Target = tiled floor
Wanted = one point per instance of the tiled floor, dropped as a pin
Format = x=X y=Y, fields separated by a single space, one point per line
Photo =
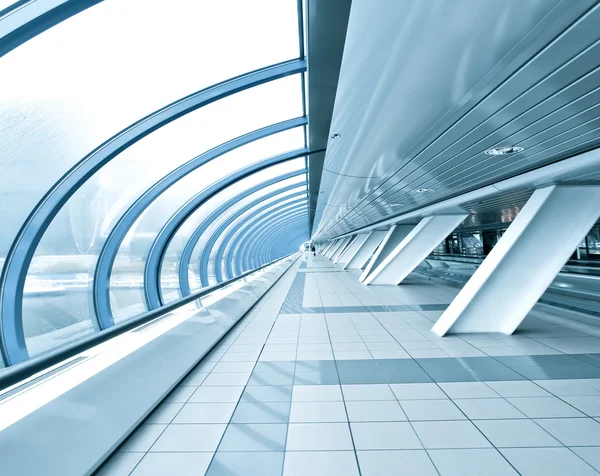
x=328 y=377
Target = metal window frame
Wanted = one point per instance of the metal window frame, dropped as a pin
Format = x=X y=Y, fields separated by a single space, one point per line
x=224 y=252
x=25 y=19
x=240 y=245
x=110 y=249
x=204 y=258
x=195 y=237
x=272 y=244
x=252 y=249
x=155 y=259
x=12 y=280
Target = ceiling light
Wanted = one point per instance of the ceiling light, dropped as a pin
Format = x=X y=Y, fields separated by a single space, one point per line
x=396 y=204
x=424 y=190
x=336 y=135
x=504 y=151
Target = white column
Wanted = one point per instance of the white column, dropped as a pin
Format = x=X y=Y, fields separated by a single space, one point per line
x=341 y=248
x=413 y=249
x=524 y=262
x=393 y=237
x=334 y=248
x=365 y=249
x=342 y=257
x=325 y=247
x=332 y=245
x=352 y=248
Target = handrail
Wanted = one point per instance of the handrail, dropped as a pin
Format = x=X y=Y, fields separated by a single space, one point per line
x=14 y=374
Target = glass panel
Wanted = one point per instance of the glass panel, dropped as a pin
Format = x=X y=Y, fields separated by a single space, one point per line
x=248 y=248
x=5 y=4
x=76 y=85
x=280 y=198
x=241 y=226
x=593 y=243
x=60 y=98
x=170 y=270
x=126 y=280
x=65 y=260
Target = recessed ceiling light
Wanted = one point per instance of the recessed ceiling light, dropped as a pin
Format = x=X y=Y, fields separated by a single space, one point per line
x=396 y=204
x=424 y=190
x=336 y=135
x=504 y=151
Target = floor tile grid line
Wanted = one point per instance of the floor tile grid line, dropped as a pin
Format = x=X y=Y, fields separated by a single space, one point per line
x=532 y=338
x=287 y=430
x=468 y=419
x=385 y=290
x=293 y=270
x=461 y=411
x=482 y=350
x=407 y=419
x=416 y=329
x=166 y=398
x=343 y=398
x=260 y=305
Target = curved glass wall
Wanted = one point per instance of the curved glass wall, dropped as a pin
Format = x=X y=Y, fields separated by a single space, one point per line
x=282 y=188
x=127 y=293
x=216 y=256
x=70 y=90
x=74 y=86
x=248 y=223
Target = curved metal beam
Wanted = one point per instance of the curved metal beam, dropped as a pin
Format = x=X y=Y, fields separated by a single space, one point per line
x=205 y=255
x=25 y=19
x=18 y=259
x=250 y=251
x=272 y=244
x=269 y=242
x=110 y=250
x=186 y=256
x=276 y=245
x=237 y=232
x=250 y=224
x=152 y=288
x=232 y=238
x=269 y=208
x=261 y=225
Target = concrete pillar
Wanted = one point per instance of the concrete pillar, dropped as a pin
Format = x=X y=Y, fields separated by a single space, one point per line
x=341 y=248
x=524 y=262
x=332 y=249
x=401 y=260
x=394 y=236
x=365 y=249
x=335 y=249
x=351 y=249
x=341 y=259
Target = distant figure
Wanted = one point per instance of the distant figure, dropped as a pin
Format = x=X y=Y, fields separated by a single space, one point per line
x=313 y=249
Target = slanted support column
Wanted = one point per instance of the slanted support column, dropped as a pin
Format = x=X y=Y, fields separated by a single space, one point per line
x=335 y=249
x=350 y=249
x=324 y=247
x=332 y=248
x=410 y=251
x=524 y=262
x=368 y=244
x=342 y=250
x=394 y=236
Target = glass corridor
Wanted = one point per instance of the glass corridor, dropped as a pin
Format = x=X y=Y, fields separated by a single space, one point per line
x=142 y=162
